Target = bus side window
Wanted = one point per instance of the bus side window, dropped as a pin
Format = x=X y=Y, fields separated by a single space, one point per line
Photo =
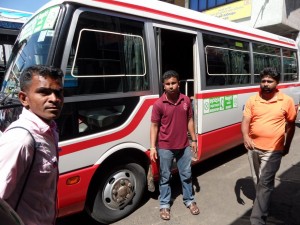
x=108 y=55
x=89 y=117
x=67 y=122
x=216 y=67
x=87 y=65
x=227 y=61
x=100 y=117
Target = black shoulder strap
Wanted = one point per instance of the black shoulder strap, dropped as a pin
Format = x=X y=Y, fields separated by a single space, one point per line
x=30 y=168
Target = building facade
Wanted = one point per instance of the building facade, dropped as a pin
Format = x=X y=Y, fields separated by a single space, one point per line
x=276 y=16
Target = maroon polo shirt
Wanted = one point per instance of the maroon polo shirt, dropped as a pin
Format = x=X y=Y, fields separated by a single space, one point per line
x=173 y=121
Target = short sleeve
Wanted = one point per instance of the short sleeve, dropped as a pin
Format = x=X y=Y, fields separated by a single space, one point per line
x=190 y=110
x=291 y=113
x=156 y=115
x=247 y=109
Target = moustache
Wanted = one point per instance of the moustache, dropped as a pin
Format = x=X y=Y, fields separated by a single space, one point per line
x=267 y=89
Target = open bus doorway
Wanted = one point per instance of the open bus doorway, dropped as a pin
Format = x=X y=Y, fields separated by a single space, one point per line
x=175 y=52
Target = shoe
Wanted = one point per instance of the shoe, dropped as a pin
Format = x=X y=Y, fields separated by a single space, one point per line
x=164 y=213
x=194 y=208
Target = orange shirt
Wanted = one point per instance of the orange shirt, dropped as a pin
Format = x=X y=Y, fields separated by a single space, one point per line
x=268 y=120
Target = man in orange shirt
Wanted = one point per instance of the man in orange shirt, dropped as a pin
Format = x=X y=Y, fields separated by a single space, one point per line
x=268 y=128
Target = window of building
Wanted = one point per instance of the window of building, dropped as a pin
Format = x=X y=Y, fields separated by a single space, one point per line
x=202 y=5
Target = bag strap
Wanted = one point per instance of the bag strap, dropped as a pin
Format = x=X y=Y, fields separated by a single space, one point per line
x=31 y=165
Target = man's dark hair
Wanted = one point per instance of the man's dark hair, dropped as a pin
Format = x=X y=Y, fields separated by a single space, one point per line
x=168 y=74
x=270 y=71
x=41 y=70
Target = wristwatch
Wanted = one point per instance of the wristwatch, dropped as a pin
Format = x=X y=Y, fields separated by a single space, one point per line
x=194 y=140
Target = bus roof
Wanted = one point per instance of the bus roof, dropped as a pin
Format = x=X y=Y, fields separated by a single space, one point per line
x=167 y=12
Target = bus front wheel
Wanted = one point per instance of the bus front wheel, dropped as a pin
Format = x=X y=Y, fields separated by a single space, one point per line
x=119 y=192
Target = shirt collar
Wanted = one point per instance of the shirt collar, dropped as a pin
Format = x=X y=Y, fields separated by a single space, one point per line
x=43 y=127
x=164 y=98
x=279 y=96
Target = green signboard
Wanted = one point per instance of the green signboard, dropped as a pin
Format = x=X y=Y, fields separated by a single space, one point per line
x=217 y=104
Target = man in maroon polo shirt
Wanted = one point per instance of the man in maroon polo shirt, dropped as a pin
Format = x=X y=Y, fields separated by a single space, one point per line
x=171 y=120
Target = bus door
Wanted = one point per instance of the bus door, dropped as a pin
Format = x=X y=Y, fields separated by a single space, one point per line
x=177 y=50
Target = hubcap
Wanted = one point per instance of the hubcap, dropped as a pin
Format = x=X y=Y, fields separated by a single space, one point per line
x=119 y=189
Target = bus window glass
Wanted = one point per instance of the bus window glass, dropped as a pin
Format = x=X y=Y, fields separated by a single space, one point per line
x=227 y=61
x=115 y=55
x=32 y=48
x=289 y=65
x=265 y=56
x=107 y=55
x=89 y=117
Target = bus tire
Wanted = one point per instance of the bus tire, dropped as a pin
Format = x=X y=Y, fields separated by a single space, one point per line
x=119 y=193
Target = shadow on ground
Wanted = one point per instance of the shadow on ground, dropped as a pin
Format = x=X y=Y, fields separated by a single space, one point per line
x=285 y=204
x=200 y=169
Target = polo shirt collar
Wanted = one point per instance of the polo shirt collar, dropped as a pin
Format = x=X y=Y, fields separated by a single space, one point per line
x=279 y=97
x=164 y=98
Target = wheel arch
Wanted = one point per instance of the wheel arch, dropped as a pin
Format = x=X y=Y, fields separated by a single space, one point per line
x=123 y=153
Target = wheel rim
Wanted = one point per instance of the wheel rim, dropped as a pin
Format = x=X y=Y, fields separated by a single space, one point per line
x=119 y=189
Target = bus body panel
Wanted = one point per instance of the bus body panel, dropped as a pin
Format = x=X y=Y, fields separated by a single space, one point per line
x=219 y=140
x=71 y=198
x=89 y=149
x=213 y=120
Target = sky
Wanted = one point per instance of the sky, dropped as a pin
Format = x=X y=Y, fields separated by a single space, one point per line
x=23 y=5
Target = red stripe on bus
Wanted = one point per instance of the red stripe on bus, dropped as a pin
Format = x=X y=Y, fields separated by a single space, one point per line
x=110 y=137
x=239 y=91
x=174 y=16
x=220 y=140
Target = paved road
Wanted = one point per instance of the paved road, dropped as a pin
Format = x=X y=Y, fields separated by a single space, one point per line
x=224 y=193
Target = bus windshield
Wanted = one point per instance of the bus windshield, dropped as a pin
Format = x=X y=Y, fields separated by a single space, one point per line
x=31 y=48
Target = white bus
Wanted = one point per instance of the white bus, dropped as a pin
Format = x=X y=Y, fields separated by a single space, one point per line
x=113 y=54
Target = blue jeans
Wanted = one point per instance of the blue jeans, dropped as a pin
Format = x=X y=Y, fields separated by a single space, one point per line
x=264 y=165
x=183 y=159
